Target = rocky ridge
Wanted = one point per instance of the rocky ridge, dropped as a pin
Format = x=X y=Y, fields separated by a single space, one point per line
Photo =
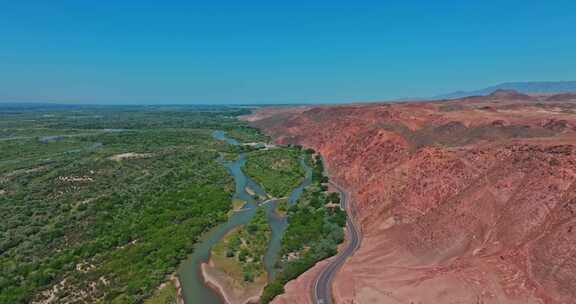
x=461 y=201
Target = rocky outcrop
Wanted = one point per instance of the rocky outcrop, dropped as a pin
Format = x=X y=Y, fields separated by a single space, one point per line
x=467 y=201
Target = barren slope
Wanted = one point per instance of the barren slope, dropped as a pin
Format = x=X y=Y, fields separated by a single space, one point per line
x=461 y=201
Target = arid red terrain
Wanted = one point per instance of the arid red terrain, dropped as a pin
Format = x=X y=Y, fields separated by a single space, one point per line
x=461 y=201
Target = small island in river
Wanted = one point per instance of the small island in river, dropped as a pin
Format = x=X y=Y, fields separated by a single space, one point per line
x=236 y=268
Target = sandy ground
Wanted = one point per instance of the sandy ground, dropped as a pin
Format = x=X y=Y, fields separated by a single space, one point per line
x=123 y=156
x=227 y=288
x=383 y=273
x=178 y=285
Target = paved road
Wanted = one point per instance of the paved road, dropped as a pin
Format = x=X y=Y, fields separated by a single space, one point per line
x=322 y=293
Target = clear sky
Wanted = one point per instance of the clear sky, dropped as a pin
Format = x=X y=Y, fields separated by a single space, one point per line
x=213 y=52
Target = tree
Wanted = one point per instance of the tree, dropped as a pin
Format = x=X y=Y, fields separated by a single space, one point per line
x=334 y=197
x=243 y=254
x=271 y=291
x=230 y=253
x=248 y=276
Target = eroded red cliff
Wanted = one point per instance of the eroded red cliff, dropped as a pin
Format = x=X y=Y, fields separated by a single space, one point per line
x=465 y=201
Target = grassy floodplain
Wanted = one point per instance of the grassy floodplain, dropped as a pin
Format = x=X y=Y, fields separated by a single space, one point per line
x=239 y=253
x=102 y=203
x=278 y=169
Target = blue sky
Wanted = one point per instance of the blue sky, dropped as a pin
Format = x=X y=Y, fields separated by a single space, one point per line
x=215 y=52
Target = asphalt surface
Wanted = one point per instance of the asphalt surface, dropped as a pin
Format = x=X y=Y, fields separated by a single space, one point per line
x=322 y=293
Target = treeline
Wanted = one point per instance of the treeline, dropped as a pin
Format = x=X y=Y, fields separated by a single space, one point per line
x=148 y=118
x=315 y=228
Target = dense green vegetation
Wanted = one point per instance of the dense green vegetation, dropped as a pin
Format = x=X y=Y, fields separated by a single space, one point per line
x=278 y=170
x=247 y=134
x=282 y=207
x=165 y=295
x=244 y=248
x=103 y=203
x=315 y=228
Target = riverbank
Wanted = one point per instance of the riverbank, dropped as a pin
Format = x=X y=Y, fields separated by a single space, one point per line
x=178 y=285
x=194 y=288
x=235 y=267
x=227 y=288
x=168 y=292
x=179 y=296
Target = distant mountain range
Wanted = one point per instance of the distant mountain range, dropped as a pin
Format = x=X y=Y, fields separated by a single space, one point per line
x=19 y=106
x=522 y=87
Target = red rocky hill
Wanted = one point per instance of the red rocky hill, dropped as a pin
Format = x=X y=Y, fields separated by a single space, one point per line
x=460 y=201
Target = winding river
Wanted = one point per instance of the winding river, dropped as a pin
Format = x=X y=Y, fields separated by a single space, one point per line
x=279 y=223
x=193 y=288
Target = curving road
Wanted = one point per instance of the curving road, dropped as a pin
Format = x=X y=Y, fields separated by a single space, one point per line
x=322 y=293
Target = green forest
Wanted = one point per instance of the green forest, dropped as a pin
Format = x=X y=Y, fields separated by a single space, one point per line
x=100 y=204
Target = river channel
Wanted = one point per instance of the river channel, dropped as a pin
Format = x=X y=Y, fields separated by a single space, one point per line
x=194 y=290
